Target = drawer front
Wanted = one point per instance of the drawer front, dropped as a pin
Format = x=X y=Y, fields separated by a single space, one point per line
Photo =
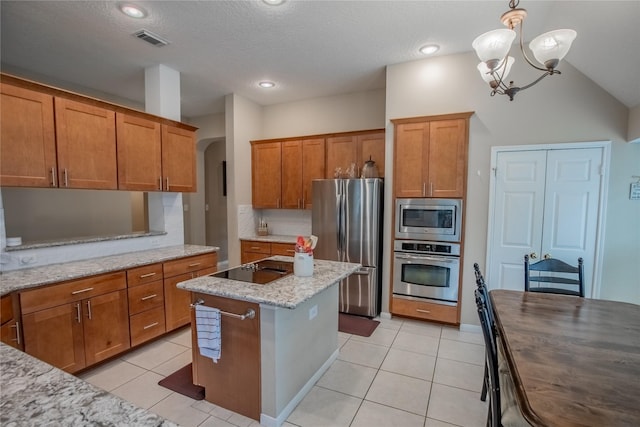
x=425 y=310
x=147 y=325
x=145 y=297
x=255 y=247
x=286 y=249
x=189 y=264
x=51 y=296
x=145 y=274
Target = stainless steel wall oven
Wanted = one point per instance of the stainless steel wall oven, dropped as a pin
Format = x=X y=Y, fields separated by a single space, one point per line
x=426 y=269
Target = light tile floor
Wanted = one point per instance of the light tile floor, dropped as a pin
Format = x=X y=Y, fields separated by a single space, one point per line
x=408 y=373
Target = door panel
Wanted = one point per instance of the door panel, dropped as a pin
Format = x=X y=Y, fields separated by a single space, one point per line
x=545 y=202
x=571 y=212
x=325 y=219
x=362 y=221
x=358 y=293
x=519 y=206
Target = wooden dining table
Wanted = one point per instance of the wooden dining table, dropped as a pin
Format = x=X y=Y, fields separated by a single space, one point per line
x=574 y=361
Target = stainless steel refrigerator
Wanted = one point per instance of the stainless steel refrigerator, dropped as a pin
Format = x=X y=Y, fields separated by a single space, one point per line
x=347 y=218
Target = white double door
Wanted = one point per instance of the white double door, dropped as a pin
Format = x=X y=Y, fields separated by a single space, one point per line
x=546 y=203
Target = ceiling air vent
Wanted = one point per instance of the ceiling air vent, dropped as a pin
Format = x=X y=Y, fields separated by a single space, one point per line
x=149 y=37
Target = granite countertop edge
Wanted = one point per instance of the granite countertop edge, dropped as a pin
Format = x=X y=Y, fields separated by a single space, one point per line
x=36 y=393
x=288 y=292
x=17 y=280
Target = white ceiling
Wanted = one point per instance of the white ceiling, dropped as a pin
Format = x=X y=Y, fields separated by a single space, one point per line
x=309 y=48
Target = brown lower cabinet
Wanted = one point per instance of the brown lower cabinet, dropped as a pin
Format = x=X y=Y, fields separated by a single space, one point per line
x=177 y=301
x=75 y=324
x=80 y=332
x=424 y=310
x=254 y=250
x=10 y=333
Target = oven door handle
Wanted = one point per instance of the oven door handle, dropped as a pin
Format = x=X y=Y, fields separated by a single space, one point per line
x=427 y=258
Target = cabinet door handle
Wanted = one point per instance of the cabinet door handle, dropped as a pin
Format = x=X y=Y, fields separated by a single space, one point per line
x=431 y=188
x=78 y=313
x=420 y=310
x=278 y=202
x=89 y=309
x=54 y=180
x=160 y=183
x=144 y=276
x=150 y=326
x=66 y=177
x=81 y=291
x=148 y=297
x=424 y=189
x=167 y=183
x=17 y=327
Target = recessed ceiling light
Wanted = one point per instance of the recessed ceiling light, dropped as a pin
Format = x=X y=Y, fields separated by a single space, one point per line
x=273 y=2
x=133 y=11
x=429 y=49
x=266 y=84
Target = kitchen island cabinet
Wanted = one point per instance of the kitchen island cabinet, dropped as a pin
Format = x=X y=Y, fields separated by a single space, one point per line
x=281 y=352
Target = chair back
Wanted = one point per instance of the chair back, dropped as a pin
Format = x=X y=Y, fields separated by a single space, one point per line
x=482 y=287
x=490 y=343
x=548 y=279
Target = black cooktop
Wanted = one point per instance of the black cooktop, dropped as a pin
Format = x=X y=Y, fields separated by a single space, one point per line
x=260 y=272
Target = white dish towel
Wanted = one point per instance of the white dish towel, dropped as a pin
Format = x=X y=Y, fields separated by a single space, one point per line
x=208 y=332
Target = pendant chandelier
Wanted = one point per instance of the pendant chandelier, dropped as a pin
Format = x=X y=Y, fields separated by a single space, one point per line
x=493 y=50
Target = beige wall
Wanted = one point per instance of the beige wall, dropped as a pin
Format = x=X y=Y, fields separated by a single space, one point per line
x=244 y=120
x=566 y=108
x=341 y=113
x=634 y=125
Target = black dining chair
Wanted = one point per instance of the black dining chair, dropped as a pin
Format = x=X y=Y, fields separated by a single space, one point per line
x=492 y=381
x=482 y=287
x=547 y=278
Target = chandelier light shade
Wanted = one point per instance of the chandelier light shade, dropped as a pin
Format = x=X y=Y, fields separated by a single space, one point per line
x=493 y=49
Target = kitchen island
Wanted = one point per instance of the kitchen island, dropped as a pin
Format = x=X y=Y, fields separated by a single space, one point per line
x=269 y=362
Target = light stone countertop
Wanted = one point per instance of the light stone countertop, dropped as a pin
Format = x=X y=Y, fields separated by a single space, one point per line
x=16 y=280
x=288 y=292
x=35 y=393
x=273 y=238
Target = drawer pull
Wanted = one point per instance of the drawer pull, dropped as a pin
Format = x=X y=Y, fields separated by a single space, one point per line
x=291 y=250
x=148 y=297
x=195 y=264
x=17 y=338
x=256 y=248
x=144 y=276
x=81 y=291
x=419 y=310
x=151 y=325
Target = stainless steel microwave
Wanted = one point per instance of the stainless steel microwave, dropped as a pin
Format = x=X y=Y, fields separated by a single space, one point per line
x=437 y=220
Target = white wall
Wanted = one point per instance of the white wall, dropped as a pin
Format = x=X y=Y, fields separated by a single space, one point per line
x=566 y=108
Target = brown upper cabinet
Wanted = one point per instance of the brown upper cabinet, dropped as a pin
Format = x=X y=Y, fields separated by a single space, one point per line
x=344 y=150
x=430 y=156
x=55 y=138
x=86 y=145
x=282 y=172
x=28 y=138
